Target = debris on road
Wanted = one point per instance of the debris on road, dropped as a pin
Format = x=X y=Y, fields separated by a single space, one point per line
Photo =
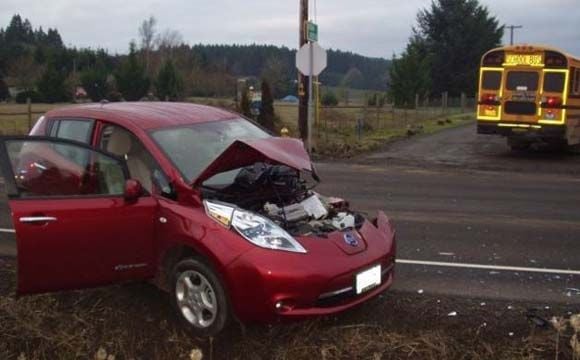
x=452 y=314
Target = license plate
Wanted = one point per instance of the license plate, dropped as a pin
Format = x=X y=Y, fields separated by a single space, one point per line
x=368 y=279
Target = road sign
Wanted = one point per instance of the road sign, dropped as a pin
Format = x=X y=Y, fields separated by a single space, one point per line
x=319 y=59
x=312 y=31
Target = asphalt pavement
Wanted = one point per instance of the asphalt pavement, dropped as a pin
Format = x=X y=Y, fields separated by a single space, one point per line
x=473 y=218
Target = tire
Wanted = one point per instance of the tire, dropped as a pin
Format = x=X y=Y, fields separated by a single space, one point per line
x=199 y=298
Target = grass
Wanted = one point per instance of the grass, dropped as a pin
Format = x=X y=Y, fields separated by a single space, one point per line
x=136 y=322
x=335 y=134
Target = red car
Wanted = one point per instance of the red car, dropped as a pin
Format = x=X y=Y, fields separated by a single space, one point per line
x=200 y=201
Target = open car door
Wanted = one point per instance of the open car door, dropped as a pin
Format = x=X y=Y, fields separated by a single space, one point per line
x=74 y=227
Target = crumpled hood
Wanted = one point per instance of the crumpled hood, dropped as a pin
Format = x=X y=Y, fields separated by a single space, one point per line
x=273 y=150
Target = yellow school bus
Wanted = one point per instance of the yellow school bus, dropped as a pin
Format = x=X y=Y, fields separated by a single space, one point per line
x=530 y=94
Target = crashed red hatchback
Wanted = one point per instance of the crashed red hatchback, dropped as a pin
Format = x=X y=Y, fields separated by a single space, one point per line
x=200 y=201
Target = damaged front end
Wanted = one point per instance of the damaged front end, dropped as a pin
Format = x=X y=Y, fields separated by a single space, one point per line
x=264 y=190
x=282 y=195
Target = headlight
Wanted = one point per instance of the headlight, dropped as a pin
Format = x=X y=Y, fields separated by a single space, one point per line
x=258 y=230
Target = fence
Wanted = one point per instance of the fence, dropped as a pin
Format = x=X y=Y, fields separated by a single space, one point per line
x=18 y=119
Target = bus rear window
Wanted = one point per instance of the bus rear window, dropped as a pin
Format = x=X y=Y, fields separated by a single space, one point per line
x=554 y=82
x=522 y=81
x=491 y=80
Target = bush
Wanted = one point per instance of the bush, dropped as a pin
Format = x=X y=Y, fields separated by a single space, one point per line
x=34 y=96
x=329 y=99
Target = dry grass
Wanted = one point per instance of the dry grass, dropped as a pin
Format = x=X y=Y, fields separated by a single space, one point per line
x=136 y=322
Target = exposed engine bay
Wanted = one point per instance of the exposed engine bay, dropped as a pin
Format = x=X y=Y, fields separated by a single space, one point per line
x=281 y=194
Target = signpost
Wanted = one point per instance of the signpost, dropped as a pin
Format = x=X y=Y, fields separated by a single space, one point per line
x=311 y=60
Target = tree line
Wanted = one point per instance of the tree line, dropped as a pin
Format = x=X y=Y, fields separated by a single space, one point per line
x=160 y=65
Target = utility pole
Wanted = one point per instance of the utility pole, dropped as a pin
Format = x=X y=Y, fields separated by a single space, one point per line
x=512 y=28
x=303 y=91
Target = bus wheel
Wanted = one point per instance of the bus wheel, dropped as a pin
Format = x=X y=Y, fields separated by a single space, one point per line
x=518 y=144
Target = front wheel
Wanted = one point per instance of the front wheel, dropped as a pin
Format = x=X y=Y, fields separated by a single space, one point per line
x=199 y=297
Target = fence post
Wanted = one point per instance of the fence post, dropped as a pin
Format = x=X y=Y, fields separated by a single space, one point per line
x=416 y=107
x=463 y=102
x=29 y=106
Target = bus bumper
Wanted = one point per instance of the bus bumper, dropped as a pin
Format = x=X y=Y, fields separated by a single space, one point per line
x=520 y=130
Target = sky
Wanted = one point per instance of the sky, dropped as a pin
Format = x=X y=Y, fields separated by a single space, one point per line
x=376 y=28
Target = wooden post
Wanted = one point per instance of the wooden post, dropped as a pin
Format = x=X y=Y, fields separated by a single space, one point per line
x=303 y=90
x=463 y=102
x=29 y=105
x=416 y=107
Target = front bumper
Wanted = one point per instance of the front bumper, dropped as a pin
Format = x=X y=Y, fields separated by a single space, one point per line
x=266 y=285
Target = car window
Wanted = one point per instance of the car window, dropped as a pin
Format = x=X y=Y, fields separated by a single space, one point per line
x=142 y=166
x=44 y=168
x=77 y=130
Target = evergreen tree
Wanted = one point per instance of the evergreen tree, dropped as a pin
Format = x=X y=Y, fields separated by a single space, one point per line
x=4 y=93
x=169 y=85
x=94 y=81
x=266 y=117
x=245 y=107
x=132 y=82
x=410 y=74
x=457 y=33
x=52 y=85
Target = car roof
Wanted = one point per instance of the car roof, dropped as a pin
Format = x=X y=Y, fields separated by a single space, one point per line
x=145 y=115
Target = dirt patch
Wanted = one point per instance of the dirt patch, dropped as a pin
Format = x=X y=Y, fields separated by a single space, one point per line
x=136 y=322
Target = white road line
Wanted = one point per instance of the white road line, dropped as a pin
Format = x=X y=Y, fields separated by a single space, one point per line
x=489 y=267
x=10 y=231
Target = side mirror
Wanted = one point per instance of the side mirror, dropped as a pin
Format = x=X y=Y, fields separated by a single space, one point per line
x=133 y=190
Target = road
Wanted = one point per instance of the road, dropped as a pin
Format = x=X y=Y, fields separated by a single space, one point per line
x=464 y=199
x=490 y=223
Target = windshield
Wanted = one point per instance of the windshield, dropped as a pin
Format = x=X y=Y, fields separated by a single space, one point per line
x=192 y=148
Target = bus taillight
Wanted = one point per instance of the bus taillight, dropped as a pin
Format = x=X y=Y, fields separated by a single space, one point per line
x=552 y=102
x=490 y=99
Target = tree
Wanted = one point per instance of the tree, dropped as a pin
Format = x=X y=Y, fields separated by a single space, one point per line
x=52 y=85
x=410 y=74
x=276 y=74
x=4 y=93
x=147 y=33
x=329 y=98
x=94 y=81
x=457 y=33
x=169 y=85
x=245 y=107
x=132 y=81
x=266 y=117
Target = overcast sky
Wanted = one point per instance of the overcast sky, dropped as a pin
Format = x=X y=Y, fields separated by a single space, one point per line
x=376 y=28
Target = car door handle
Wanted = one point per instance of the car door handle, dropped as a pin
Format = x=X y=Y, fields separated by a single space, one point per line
x=37 y=219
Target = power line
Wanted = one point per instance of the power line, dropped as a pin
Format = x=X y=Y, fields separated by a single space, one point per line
x=512 y=28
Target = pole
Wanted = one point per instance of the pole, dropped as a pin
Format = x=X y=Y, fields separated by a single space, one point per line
x=512 y=28
x=310 y=98
x=29 y=106
x=303 y=91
